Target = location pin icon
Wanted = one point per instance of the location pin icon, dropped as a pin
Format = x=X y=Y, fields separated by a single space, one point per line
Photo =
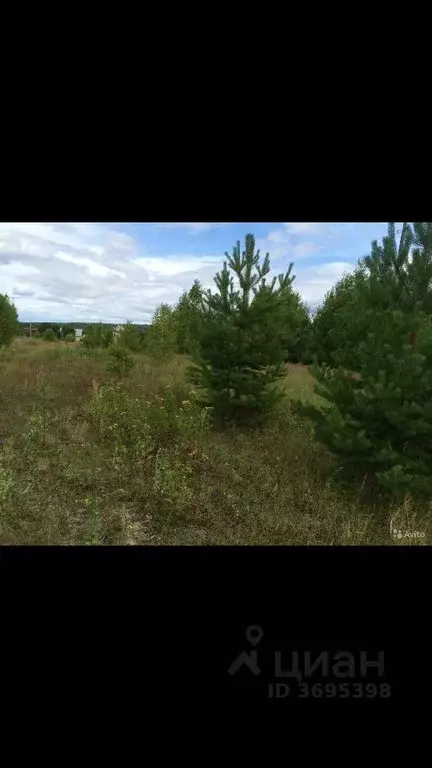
x=254 y=634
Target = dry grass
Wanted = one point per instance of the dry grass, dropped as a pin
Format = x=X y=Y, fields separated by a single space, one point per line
x=136 y=464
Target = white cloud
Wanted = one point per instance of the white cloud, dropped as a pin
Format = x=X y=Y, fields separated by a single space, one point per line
x=71 y=272
x=303 y=227
x=92 y=272
x=281 y=243
x=23 y=289
x=313 y=282
x=93 y=267
x=97 y=249
x=194 y=227
x=303 y=250
x=17 y=268
x=72 y=235
x=175 y=264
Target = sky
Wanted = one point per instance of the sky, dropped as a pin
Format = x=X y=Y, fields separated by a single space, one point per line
x=113 y=272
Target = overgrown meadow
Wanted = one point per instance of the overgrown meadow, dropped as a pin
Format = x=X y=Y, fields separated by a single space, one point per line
x=88 y=456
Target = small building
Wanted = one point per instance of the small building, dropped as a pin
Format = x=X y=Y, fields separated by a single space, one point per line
x=78 y=334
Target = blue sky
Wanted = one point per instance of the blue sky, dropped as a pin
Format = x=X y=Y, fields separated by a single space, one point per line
x=111 y=272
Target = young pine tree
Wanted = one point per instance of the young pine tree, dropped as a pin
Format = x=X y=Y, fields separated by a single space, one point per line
x=129 y=337
x=380 y=422
x=240 y=352
x=121 y=360
x=330 y=331
x=297 y=325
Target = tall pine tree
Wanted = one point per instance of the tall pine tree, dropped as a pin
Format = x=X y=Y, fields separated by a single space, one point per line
x=380 y=421
x=241 y=350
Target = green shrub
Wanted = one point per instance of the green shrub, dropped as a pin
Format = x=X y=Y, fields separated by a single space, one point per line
x=97 y=335
x=161 y=337
x=67 y=330
x=121 y=361
x=55 y=327
x=145 y=425
x=8 y=320
x=172 y=422
x=6 y=354
x=49 y=335
x=120 y=418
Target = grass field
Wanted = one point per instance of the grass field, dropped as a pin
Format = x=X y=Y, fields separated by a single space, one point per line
x=86 y=459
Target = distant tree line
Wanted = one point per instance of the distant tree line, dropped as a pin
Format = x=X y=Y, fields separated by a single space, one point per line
x=59 y=330
x=99 y=334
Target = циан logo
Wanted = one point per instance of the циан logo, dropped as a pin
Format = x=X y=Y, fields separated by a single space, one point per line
x=297 y=668
x=254 y=634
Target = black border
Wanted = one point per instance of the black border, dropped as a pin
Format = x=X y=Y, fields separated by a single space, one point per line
x=168 y=622
x=192 y=176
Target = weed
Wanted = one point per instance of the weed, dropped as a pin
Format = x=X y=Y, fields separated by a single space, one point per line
x=171 y=477
x=93 y=528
